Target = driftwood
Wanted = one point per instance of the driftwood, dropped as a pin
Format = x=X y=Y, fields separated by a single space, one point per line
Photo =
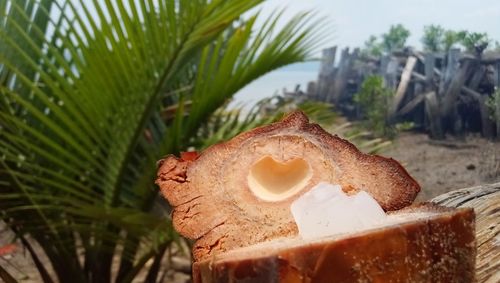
x=454 y=86
x=391 y=73
x=345 y=66
x=497 y=83
x=432 y=113
x=412 y=75
x=485 y=200
x=411 y=105
x=403 y=84
x=452 y=66
x=326 y=73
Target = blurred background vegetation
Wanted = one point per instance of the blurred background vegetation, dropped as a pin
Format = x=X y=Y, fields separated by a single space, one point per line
x=435 y=38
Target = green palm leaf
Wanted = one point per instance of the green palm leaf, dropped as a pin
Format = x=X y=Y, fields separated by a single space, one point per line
x=94 y=93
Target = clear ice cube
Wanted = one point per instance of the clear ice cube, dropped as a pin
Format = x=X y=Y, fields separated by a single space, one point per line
x=326 y=210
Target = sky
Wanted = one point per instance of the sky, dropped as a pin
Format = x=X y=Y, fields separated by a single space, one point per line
x=353 y=21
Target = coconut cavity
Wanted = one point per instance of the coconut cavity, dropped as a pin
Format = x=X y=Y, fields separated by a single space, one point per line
x=272 y=180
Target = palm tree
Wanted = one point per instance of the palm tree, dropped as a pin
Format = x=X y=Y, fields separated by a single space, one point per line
x=92 y=94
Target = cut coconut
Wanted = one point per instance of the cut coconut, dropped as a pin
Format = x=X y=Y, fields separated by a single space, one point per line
x=239 y=193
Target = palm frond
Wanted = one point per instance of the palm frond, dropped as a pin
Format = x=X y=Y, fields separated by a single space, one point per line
x=85 y=88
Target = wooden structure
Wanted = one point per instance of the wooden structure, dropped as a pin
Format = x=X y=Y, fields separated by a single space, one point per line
x=440 y=92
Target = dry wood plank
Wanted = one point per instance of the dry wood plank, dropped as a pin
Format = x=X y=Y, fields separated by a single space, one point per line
x=449 y=73
x=412 y=104
x=474 y=94
x=485 y=200
x=452 y=91
x=497 y=111
x=429 y=65
x=432 y=115
x=403 y=85
x=477 y=77
x=326 y=72
x=384 y=62
x=497 y=87
x=328 y=61
x=345 y=67
x=486 y=122
x=488 y=57
x=424 y=58
x=416 y=76
x=337 y=80
x=391 y=73
x=421 y=78
x=497 y=77
x=497 y=116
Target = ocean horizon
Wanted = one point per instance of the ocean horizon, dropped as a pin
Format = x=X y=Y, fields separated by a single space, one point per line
x=276 y=81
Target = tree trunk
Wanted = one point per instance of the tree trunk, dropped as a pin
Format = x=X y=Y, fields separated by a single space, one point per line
x=485 y=200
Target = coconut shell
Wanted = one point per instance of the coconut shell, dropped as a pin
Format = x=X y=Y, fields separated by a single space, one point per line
x=431 y=244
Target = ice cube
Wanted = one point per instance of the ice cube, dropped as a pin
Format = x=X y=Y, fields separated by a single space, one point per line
x=326 y=210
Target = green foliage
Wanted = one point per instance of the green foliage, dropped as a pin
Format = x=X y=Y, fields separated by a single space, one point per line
x=433 y=38
x=470 y=39
x=372 y=47
x=93 y=95
x=436 y=38
x=374 y=101
x=451 y=38
x=493 y=104
x=395 y=38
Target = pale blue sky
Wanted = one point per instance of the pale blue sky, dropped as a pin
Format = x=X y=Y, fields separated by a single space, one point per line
x=354 y=21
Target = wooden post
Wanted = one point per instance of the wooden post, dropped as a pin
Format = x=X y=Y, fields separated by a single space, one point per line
x=403 y=85
x=412 y=104
x=477 y=77
x=497 y=97
x=384 y=62
x=337 y=76
x=391 y=73
x=345 y=67
x=486 y=123
x=497 y=77
x=449 y=99
x=429 y=63
x=326 y=72
x=449 y=73
x=430 y=86
x=312 y=89
x=432 y=112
